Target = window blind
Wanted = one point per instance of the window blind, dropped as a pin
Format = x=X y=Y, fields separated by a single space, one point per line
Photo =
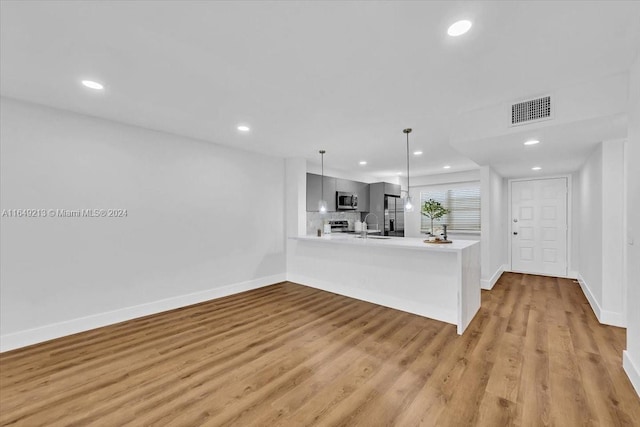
x=463 y=204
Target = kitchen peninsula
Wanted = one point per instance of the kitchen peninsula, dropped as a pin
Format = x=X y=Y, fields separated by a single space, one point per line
x=441 y=282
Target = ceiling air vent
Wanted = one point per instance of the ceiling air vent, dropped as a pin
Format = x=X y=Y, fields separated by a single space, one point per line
x=532 y=110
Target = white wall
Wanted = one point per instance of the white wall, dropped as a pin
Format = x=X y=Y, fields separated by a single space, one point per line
x=574 y=210
x=601 y=225
x=203 y=221
x=613 y=228
x=296 y=196
x=632 y=157
x=590 y=226
x=445 y=178
x=493 y=257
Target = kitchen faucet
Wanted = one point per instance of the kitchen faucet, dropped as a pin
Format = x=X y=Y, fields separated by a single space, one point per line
x=364 y=228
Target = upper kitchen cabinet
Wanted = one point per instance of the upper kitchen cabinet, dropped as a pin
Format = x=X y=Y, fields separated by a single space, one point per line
x=314 y=189
x=347 y=186
x=362 y=190
x=376 y=198
x=377 y=191
x=391 y=189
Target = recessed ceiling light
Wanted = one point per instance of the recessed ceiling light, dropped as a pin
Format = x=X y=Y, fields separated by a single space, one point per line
x=398 y=173
x=532 y=142
x=92 y=85
x=363 y=163
x=536 y=168
x=459 y=28
x=243 y=128
x=417 y=153
x=446 y=167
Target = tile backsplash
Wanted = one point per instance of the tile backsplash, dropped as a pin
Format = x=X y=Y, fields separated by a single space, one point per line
x=315 y=220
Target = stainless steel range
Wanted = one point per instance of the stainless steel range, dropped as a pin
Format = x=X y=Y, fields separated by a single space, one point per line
x=338 y=225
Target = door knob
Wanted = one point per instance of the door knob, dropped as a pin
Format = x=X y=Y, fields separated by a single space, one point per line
x=515 y=233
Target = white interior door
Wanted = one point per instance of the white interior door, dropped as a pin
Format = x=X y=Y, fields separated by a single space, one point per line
x=539 y=226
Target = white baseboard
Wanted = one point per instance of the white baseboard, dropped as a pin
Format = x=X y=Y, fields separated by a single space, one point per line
x=605 y=317
x=613 y=318
x=633 y=371
x=73 y=326
x=489 y=283
x=587 y=293
x=572 y=274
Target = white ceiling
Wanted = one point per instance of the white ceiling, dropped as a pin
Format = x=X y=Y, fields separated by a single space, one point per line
x=563 y=148
x=343 y=76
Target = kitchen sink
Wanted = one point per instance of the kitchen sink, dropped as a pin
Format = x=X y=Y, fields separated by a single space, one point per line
x=375 y=237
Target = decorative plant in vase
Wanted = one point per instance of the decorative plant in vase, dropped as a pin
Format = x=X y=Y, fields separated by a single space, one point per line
x=434 y=211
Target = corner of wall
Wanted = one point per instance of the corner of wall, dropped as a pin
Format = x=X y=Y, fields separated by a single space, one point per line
x=587 y=293
x=606 y=317
x=633 y=371
x=632 y=157
x=488 y=284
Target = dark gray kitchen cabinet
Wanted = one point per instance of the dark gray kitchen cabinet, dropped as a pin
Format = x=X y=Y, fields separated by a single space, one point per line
x=347 y=186
x=392 y=189
x=377 y=191
x=331 y=186
x=362 y=190
x=376 y=198
x=313 y=192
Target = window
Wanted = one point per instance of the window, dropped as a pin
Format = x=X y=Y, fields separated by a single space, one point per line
x=463 y=203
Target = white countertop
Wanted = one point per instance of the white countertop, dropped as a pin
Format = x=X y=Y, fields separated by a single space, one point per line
x=392 y=242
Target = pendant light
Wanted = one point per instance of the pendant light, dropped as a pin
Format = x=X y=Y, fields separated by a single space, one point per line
x=322 y=203
x=408 y=205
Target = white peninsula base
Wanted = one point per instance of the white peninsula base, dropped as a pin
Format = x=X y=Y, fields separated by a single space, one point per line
x=441 y=282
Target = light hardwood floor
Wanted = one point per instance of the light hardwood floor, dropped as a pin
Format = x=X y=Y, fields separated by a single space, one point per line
x=290 y=355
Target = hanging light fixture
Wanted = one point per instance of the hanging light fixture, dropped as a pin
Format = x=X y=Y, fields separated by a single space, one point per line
x=322 y=203
x=408 y=205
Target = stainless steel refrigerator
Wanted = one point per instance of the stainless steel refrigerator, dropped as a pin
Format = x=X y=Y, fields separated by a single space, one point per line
x=393 y=216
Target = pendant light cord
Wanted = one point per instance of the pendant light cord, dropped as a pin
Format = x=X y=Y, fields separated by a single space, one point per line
x=407 y=131
x=407 y=164
x=322 y=177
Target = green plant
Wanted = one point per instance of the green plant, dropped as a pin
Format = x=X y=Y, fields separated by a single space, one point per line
x=434 y=211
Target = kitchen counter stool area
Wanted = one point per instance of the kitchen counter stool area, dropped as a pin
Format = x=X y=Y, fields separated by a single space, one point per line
x=441 y=282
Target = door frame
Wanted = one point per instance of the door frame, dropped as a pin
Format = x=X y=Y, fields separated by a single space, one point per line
x=571 y=274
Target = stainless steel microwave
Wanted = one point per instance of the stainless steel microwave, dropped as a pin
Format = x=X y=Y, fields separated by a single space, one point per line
x=346 y=201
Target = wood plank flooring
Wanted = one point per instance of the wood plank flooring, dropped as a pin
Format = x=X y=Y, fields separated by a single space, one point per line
x=288 y=355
